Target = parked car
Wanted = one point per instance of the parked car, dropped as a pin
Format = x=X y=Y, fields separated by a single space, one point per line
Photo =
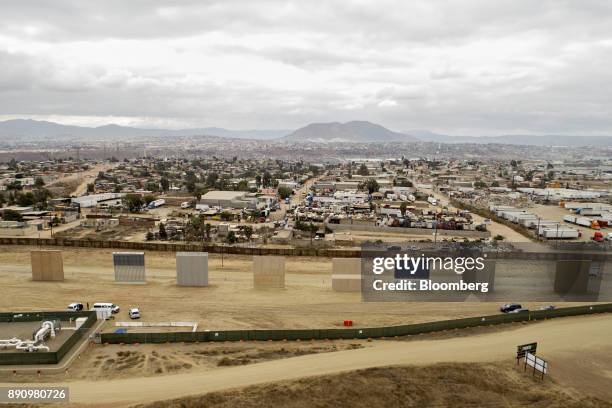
x=509 y=307
x=519 y=310
x=134 y=313
x=548 y=307
x=75 y=307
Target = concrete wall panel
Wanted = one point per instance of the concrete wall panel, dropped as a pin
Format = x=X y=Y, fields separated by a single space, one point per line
x=346 y=283
x=47 y=265
x=268 y=272
x=346 y=266
x=192 y=268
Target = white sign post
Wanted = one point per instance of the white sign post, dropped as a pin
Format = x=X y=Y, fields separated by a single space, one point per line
x=537 y=363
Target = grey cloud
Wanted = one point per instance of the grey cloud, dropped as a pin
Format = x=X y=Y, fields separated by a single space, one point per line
x=480 y=66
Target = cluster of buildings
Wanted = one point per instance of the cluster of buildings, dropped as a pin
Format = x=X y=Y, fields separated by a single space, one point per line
x=343 y=195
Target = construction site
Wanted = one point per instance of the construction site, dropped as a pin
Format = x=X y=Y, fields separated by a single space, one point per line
x=229 y=320
x=279 y=204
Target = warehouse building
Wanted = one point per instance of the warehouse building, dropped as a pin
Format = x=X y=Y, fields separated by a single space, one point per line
x=103 y=199
x=229 y=199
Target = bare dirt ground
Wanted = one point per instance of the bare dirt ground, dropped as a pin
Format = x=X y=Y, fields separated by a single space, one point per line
x=439 y=385
x=468 y=371
x=118 y=233
x=76 y=184
x=104 y=362
x=230 y=302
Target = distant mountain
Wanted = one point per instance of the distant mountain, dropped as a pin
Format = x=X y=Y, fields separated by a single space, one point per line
x=355 y=131
x=36 y=129
x=528 y=140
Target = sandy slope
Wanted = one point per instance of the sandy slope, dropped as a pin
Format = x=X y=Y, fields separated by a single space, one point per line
x=443 y=385
x=560 y=341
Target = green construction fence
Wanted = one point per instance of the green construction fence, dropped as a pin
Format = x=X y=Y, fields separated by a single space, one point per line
x=349 y=333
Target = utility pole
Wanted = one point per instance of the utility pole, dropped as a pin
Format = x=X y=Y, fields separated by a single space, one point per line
x=78 y=152
x=436 y=229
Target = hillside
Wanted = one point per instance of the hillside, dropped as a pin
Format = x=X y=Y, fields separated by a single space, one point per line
x=441 y=385
x=355 y=131
x=36 y=130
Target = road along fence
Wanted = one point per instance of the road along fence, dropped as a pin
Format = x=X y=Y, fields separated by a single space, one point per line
x=45 y=357
x=353 y=333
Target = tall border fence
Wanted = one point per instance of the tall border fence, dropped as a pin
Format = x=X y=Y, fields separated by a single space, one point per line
x=354 y=333
x=45 y=357
x=178 y=247
x=601 y=253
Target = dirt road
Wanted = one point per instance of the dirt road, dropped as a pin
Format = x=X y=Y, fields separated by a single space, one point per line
x=563 y=342
x=295 y=199
x=494 y=228
x=89 y=177
x=83 y=178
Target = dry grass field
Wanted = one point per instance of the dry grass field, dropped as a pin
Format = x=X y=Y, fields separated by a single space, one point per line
x=441 y=385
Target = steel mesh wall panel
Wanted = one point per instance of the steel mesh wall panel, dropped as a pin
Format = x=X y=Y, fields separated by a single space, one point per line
x=129 y=267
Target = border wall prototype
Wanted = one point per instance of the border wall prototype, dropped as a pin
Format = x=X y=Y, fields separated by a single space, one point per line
x=129 y=267
x=47 y=265
x=346 y=275
x=268 y=272
x=192 y=268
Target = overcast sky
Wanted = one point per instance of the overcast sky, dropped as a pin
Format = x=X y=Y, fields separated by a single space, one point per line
x=460 y=67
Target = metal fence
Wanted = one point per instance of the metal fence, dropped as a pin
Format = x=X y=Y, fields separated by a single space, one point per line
x=45 y=357
x=602 y=252
x=181 y=247
x=352 y=333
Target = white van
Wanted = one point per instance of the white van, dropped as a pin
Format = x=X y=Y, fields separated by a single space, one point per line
x=108 y=306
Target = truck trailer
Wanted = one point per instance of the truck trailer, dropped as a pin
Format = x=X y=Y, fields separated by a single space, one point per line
x=560 y=233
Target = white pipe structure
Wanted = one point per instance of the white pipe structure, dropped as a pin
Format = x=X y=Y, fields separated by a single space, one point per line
x=46 y=328
x=9 y=343
x=30 y=345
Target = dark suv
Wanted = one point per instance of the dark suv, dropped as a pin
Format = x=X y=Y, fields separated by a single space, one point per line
x=509 y=307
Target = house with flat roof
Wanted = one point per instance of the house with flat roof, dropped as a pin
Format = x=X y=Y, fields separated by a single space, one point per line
x=229 y=199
